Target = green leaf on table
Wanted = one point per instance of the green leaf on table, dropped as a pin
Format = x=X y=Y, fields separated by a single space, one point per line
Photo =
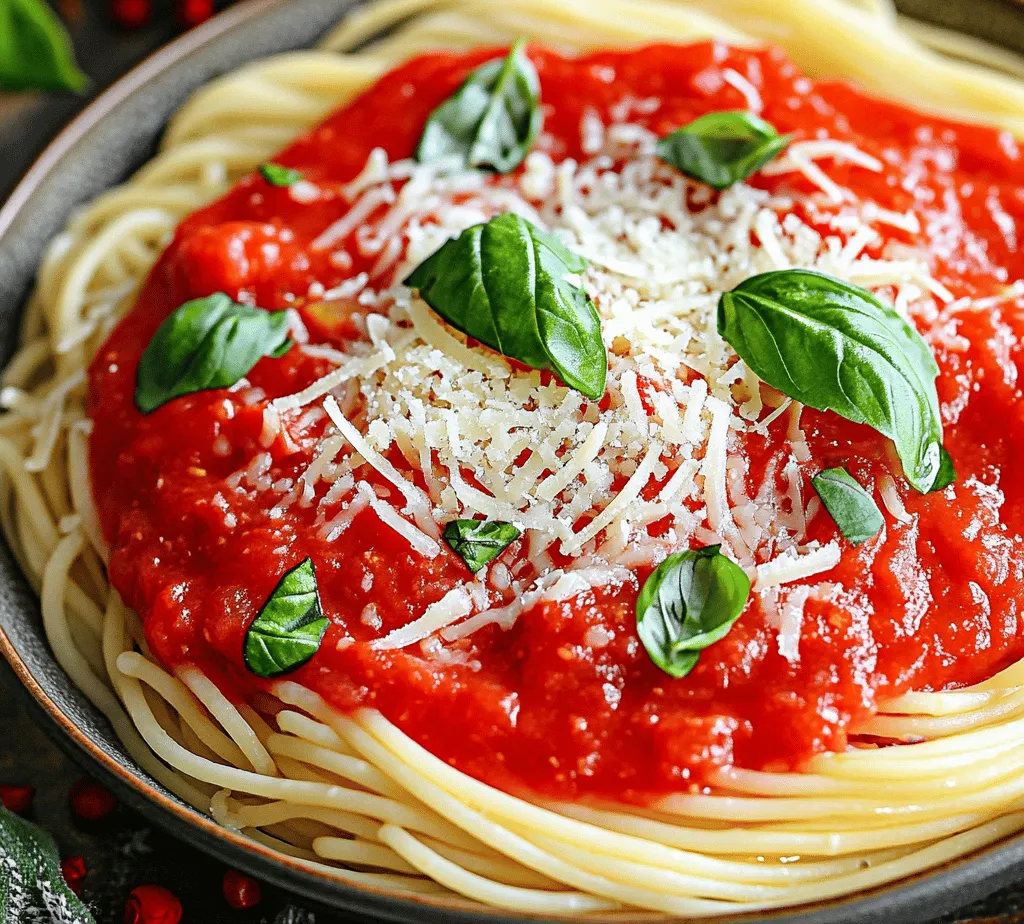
x=207 y=343
x=32 y=887
x=35 y=49
x=507 y=284
x=290 y=626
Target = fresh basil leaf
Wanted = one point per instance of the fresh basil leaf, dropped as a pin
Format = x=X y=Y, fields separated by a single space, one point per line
x=491 y=120
x=35 y=50
x=276 y=175
x=689 y=602
x=947 y=472
x=32 y=887
x=479 y=542
x=855 y=512
x=289 y=628
x=722 y=148
x=506 y=284
x=207 y=343
x=835 y=347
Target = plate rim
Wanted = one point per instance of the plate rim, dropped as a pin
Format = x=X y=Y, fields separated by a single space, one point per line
x=941 y=889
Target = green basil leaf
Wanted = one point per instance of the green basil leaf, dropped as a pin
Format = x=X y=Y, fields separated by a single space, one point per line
x=835 y=347
x=207 y=343
x=505 y=283
x=276 y=175
x=479 y=542
x=491 y=120
x=35 y=50
x=32 y=887
x=689 y=602
x=947 y=472
x=289 y=628
x=722 y=148
x=855 y=512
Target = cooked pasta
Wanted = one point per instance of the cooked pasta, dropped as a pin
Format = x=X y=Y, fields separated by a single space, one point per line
x=927 y=776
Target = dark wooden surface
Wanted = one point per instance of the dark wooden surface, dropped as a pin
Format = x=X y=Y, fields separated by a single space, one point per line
x=124 y=851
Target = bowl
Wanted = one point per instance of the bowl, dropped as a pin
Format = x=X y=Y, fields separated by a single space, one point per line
x=106 y=142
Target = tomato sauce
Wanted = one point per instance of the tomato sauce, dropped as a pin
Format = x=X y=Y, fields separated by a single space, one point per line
x=566 y=703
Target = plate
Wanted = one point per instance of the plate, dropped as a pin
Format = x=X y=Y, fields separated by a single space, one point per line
x=111 y=138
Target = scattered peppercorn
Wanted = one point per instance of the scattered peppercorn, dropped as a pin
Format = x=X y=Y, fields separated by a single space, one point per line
x=74 y=871
x=191 y=13
x=130 y=14
x=150 y=904
x=17 y=799
x=91 y=801
x=241 y=891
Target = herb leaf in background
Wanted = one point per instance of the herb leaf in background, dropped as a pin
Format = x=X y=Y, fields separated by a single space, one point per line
x=507 y=284
x=276 y=175
x=207 y=343
x=35 y=50
x=290 y=626
x=835 y=347
x=491 y=120
x=32 y=887
x=722 y=148
x=689 y=602
x=479 y=542
x=853 y=509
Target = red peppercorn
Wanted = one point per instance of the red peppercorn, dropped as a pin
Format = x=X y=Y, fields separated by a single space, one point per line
x=130 y=14
x=150 y=904
x=241 y=891
x=91 y=801
x=74 y=870
x=191 y=13
x=17 y=798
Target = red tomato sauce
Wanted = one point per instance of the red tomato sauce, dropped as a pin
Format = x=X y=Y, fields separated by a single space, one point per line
x=933 y=603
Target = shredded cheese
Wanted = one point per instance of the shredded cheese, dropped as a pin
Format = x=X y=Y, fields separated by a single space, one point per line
x=791 y=566
x=420 y=405
x=453 y=606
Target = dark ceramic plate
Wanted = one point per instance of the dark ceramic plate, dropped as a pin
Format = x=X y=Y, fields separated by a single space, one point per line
x=111 y=138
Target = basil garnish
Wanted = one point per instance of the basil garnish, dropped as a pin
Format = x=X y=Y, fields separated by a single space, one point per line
x=690 y=602
x=505 y=283
x=35 y=50
x=32 y=887
x=855 y=512
x=276 y=175
x=722 y=148
x=835 y=347
x=491 y=120
x=947 y=472
x=479 y=542
x=290 y=626
x=207 y=343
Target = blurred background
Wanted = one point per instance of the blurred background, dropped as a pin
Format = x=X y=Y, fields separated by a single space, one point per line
x=74 y=49
x=108 y=36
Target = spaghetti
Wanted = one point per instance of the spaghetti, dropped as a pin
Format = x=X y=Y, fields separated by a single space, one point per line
x=350 y=793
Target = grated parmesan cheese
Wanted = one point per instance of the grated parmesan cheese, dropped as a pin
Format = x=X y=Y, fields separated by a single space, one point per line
x=453 y=606
x=420 y=405
x=791 y=566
